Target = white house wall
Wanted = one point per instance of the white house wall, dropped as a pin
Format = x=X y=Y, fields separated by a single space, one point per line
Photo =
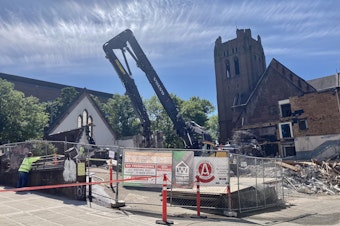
x=309 y=143
x=101 y=133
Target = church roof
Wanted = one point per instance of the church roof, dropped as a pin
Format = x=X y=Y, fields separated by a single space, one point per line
x=327 y=82
x=45 y=91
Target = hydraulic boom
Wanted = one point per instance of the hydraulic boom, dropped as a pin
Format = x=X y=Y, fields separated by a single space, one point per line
x=126 y=42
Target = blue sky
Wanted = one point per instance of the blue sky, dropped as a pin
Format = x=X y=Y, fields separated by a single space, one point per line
x=61 y=41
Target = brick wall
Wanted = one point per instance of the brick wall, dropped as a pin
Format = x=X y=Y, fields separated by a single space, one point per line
x=320 y=110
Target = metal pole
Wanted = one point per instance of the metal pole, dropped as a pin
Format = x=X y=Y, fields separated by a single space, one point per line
x=117 y=183
x=90 y=188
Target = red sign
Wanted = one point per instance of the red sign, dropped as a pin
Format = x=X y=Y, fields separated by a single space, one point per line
x=205 y=172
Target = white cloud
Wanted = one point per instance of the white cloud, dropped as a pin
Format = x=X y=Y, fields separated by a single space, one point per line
x=58 y=33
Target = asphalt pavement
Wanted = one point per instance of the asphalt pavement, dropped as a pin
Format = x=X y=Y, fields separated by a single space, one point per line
x=35 y=208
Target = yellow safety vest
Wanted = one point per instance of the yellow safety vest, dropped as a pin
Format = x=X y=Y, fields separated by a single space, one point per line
x=26 y=164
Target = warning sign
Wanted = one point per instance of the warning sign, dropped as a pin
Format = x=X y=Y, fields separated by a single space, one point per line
x=147 y=163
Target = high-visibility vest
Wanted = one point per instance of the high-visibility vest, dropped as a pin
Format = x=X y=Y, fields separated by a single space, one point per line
x=26 y=164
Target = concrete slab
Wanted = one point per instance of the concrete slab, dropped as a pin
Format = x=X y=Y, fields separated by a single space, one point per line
x=52 y=210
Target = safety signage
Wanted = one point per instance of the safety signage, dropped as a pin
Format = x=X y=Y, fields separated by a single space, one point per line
x=212 y=171
x=147 y=163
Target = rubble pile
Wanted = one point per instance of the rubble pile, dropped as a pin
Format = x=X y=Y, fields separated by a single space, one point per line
x=313 y=177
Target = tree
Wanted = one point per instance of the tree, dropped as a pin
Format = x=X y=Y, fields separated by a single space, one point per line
x=195 y=109
x=121 y=116
x=21 y=118
x=160 y=121
x=212 y=127
x=56 y=107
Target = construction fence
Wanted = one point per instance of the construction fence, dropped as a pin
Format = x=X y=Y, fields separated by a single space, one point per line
x=111 y=174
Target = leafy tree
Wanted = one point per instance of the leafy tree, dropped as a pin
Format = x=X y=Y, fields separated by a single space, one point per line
x=56 y=107
x=160 y=121
x=212 y=127
x=121 y=116
x=21 y=118
x=195 y=109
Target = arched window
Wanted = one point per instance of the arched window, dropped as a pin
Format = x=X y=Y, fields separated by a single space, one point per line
x=90 y=120
x=227 y=67
x=80 y=121
x=85 y=122
x=237 y=66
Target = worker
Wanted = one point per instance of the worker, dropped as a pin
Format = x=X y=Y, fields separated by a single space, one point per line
x=25 y=168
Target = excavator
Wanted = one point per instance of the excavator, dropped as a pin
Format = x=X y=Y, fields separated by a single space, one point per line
x=193 y=135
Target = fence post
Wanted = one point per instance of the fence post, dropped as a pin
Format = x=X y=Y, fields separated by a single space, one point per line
x=90 y=188
x=111 y=174
x=229 y=213
x=164 y=220
x=198 y=199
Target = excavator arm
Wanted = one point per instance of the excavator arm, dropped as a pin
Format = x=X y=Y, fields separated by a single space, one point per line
x=127 y=42
x=130 y=86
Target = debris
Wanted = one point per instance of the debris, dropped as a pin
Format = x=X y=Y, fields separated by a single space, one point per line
x=313 y=177
x=286 y=165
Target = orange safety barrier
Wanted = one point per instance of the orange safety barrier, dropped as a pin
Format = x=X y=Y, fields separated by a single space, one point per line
x=164 y=220
x=33 y=188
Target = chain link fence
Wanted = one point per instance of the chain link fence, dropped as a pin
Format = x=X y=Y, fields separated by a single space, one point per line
x=135 y=176
x=256 y=183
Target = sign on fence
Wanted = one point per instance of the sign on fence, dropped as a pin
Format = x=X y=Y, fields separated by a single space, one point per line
x=212 y=171
x=182 y=169
x=146 y=163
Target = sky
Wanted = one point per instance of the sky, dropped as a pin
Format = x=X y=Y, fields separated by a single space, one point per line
x=61 y=41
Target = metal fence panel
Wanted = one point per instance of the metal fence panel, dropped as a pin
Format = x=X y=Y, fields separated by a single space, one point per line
x=226 y=181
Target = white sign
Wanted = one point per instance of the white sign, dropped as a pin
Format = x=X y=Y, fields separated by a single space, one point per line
x=147 y=163
x=212 y=171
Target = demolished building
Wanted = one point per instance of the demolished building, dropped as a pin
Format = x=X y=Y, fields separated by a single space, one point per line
x=289 y=116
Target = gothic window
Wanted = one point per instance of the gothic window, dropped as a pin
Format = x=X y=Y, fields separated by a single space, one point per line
x=227 y=69
x=80 y=121
x=237 y=66
x=85 y=122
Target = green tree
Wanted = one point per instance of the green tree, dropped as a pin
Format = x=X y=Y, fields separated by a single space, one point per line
x=195 y=109
x=56 y=107
x=121 y=116
x=160 y=121
x=21 y=118
x=213 y=127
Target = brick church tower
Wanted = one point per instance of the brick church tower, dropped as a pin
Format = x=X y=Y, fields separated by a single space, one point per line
x=239 y=63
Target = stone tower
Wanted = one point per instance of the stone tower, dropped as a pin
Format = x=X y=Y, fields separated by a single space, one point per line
x=239 y=63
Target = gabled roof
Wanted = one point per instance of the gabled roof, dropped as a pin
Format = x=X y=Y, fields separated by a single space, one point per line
x=285 y=73
x=327 y=82
x=84 y=94
x=45 y=91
